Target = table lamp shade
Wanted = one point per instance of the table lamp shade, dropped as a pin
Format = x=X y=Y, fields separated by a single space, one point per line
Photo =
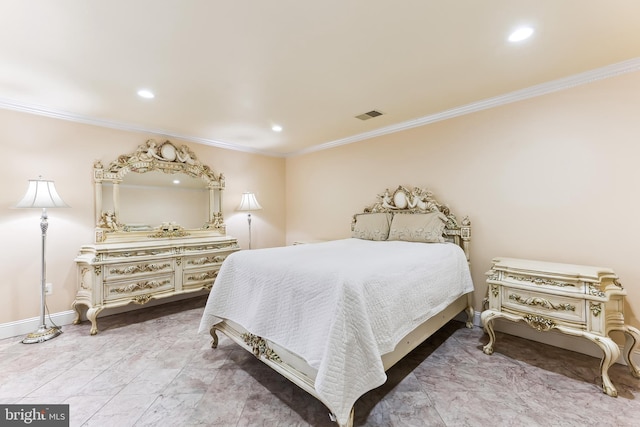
x=41 y=194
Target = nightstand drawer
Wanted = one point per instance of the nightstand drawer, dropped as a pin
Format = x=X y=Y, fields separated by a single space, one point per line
x=543 y=283
x=544 y=304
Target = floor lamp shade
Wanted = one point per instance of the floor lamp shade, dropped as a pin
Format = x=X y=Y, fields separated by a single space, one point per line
x=42 y=194
x=249 y=203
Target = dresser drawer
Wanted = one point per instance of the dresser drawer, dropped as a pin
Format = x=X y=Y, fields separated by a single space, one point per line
x=138 y=288
x=199 y=278
x=115 y=272
x=544 y=304
x=210 y=260
x=136 y=253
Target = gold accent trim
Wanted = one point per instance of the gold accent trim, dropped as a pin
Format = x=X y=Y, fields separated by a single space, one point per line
x=132 y=287
x=539 y=323
x=203 y=276
x=142 y=299
x=541 y=302
x=596 y=308
x=595 y=291
x=495 y=290
x=539 y=281
x=207 y=260
x=260 y=348
x=139 y=268
x=168 y=233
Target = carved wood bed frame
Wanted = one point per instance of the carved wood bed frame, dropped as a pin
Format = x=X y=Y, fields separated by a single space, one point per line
x=295 y=368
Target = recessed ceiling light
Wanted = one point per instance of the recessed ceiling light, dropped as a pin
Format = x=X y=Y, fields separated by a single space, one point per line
x=144 y=93
x=176 y=181
x=521 y=34
x=276 y=128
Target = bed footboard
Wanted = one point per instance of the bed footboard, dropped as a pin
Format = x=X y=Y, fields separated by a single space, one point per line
x=296 y=370
x=277 y=358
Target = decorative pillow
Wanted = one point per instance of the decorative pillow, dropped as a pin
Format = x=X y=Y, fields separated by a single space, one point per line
x=372 y=226
x=427 y=228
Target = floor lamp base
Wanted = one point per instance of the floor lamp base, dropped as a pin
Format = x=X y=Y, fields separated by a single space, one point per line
x=42 y=334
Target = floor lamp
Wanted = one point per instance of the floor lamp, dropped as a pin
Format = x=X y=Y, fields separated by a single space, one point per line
x=42 y=194
x=249 y=203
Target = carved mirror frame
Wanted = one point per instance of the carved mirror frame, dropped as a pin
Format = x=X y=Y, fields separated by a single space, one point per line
x=153 y=156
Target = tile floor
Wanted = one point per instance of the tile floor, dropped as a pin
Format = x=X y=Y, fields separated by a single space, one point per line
x=151 y=368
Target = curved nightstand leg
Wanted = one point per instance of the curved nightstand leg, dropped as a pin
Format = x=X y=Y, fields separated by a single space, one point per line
x=92 y=315
x=632 y=340
x=487 y=317
x=611 y=353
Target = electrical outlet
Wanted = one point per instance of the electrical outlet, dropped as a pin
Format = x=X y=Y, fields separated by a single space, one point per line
x=48 y=288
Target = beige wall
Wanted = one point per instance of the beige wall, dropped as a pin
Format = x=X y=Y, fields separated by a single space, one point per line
x=551 y=178
x=64 y=152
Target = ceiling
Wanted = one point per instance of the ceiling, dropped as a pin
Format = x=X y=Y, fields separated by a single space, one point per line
x=224 y=72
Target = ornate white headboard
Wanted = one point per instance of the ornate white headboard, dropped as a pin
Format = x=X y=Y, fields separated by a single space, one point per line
x=420 y=200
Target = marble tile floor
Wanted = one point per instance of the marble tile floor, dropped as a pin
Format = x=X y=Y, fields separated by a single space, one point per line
x=150 y=367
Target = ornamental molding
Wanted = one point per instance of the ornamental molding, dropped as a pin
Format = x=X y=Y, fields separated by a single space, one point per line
x=595 y=291
x=407 y=200
x=608 y=71
x=495 y=290
x=541 y=302
x=139 y=268
x=142 y=299
x=539 y=323
x=260 y=348
x=596 y=308
x=539 y=281
x=132 y=287
x=605 y=72
x=165 y=157
x=207 y=260
x=203 y=276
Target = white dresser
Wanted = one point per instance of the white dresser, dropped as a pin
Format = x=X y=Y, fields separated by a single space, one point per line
x=117 y=274
x=577 y=300
x=159 y=232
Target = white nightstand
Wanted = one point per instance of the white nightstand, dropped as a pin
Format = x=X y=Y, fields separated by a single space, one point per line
x=577 y=300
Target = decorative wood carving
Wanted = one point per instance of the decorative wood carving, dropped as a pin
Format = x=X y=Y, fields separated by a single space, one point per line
x=135 y=263
x=420 y=200
x=154 y=156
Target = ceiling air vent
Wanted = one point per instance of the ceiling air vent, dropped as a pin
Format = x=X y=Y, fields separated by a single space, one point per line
x=369 y=115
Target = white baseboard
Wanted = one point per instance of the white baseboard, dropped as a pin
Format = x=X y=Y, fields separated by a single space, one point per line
x=23 y=327
x=20 y=328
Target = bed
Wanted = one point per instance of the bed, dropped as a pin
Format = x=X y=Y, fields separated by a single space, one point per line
x=332 y=317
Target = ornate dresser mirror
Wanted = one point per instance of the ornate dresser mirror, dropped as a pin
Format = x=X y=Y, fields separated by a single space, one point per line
x=159 y=230
x=157 y=191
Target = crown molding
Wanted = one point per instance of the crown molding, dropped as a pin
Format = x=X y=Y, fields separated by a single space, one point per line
x=612 y=70
x=519 y=95
x=9 y=104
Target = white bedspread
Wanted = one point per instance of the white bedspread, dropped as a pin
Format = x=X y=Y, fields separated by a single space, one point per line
x=339 y=305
